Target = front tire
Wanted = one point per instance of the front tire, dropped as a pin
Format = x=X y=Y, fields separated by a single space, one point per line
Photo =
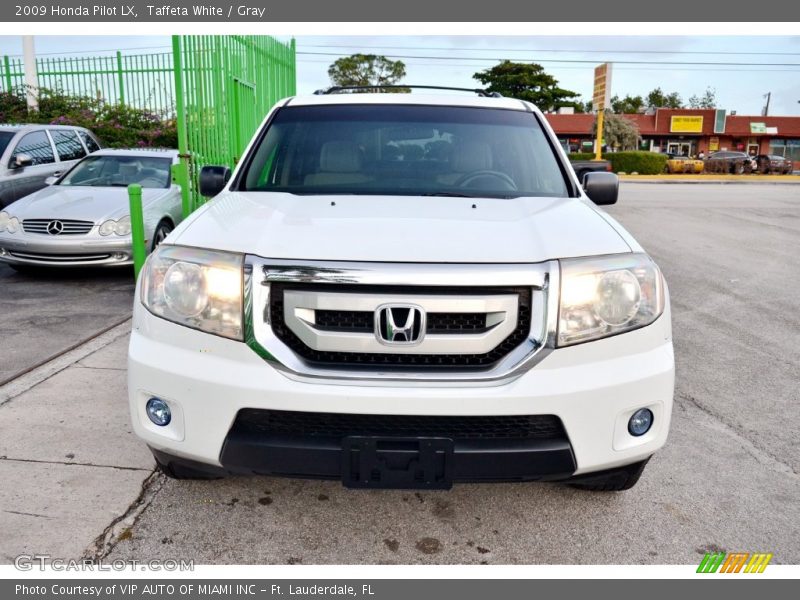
x=613 y=480
x=163 y=229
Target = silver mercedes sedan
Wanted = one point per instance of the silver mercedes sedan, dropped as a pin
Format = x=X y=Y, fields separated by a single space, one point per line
x=82 y=218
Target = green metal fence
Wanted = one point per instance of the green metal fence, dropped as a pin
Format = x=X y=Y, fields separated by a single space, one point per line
x=143 y=81
x=225 y=85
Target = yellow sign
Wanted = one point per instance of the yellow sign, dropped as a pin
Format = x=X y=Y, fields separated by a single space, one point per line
x=602 y=86
x=686 y=124
x=713 y=144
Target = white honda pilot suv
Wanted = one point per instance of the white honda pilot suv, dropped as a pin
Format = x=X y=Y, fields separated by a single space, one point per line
x=403 y=291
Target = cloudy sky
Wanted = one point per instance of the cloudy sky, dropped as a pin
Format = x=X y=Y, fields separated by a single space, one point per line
x=740 y=69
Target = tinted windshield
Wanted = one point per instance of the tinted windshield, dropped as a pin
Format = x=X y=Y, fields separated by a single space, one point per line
x=5 y=137
x=405 y=150
x=120 y=171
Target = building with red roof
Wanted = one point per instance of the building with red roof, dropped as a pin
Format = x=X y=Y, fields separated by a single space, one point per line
x=691 y=132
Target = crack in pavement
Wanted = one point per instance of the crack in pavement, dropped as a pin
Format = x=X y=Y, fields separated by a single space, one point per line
x=71 y=464
x=762 y=455
x=104 y=543
x=27 y=514
x=80 y=366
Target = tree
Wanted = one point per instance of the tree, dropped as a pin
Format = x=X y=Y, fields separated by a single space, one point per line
x=619 y=132
x=367 y=70
x=627 y=105
x=707 y=100
x=658 y=99
x=527 y=81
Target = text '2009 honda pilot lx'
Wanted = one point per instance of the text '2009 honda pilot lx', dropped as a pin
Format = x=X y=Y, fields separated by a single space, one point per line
x=403 y=291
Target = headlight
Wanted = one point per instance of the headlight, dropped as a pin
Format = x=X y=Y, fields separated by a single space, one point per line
x=107 y=228
x=197 y=288
x=4 y=218
x=121 y=227
x=608 y=295
x=13 y=225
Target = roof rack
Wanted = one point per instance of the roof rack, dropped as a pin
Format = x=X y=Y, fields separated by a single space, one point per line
x=344 y=88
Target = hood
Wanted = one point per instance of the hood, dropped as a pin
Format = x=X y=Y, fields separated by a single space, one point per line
x=400 y=228
x=77 y=202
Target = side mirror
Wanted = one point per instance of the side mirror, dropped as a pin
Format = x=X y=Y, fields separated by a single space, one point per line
x=51 y=180
x=602 y=188
x=213 y=180
x=22 y=160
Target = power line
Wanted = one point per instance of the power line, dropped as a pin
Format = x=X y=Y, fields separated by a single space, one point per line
x=552 y=50
x=573 y=60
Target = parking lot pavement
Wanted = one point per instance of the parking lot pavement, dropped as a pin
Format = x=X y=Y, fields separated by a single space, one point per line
x=728 y=479
x=44 y=313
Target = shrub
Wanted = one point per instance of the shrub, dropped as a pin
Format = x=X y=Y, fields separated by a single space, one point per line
x=117 y=125
x=644 y=163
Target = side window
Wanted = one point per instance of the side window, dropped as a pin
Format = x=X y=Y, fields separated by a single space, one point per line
x=90 y=142
x=37 y=146
x=67 y=144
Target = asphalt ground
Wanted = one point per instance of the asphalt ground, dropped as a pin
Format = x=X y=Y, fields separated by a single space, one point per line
x=728 y=479
x=43 y=313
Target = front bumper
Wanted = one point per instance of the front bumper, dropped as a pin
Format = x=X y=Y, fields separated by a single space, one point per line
x=65 y=251
x=592 y=388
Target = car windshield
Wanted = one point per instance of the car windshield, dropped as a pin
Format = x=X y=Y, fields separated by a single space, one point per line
x=5 y=138
x=120 y=171
x=405 y=150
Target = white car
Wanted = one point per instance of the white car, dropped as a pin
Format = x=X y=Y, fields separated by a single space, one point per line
x=82 y=218
x=403 y=291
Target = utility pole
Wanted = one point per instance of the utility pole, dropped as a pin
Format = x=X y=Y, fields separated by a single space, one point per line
x=768 y=95
x=31 y=77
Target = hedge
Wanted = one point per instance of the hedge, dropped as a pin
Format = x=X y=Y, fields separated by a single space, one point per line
x=644 y=163
x=117 y=125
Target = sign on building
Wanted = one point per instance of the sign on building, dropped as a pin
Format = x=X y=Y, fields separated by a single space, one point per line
x=686 y=124
x=758 y=128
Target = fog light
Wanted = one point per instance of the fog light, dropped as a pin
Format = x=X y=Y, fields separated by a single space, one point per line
x=641 y=421
x=3 y=251
x=118 y=256
x=159 y=412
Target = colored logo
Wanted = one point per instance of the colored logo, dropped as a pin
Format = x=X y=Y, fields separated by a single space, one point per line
x=735 y=562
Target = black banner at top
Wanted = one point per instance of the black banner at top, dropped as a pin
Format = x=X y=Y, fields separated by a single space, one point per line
x=392 y=11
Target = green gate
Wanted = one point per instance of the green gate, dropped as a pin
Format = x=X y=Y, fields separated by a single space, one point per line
x=224 y=87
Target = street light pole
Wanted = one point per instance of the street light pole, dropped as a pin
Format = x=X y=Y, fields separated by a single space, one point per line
x=768 y=95
x=31 y=77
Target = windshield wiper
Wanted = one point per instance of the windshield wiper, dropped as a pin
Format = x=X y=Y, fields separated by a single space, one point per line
x=450 y=194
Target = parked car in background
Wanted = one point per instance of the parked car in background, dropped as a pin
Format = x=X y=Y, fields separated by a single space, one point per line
x=729 y=162
x=684 y=164
x=582 y=167
x=771 y=163
x=29 y=154
x=82 y=218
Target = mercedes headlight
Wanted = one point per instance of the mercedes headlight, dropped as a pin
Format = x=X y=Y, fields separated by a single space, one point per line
x=608 y=295
x=120 y=227
x=197 y=288
x=9 y=223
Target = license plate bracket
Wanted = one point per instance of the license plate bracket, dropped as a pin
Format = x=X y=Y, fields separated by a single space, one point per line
x=397 y=462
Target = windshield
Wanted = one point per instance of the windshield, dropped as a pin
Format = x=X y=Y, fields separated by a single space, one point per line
x=405 y=150
x=5 y=137
x=120 y=171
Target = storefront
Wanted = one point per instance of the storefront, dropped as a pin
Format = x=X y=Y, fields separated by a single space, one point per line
x=690 y=132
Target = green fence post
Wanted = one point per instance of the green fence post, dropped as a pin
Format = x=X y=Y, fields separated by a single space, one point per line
x=120 y=78
x=180 y=113
x=7 y=67
x=137 y=227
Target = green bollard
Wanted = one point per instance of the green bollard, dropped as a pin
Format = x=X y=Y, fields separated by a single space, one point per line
x=137 y=227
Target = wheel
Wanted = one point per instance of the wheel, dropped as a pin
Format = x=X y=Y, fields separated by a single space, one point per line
x=738 y=168
x=177 y=469
x=613 y=480
x=163 y=229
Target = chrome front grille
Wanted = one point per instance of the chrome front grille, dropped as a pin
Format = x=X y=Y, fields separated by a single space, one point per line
x=476 y=324
x=57 y=226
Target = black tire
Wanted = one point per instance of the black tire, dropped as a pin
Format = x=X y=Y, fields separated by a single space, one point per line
x=738 y=169
x=176 y=469
x=613 y=480
x=161 y=232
